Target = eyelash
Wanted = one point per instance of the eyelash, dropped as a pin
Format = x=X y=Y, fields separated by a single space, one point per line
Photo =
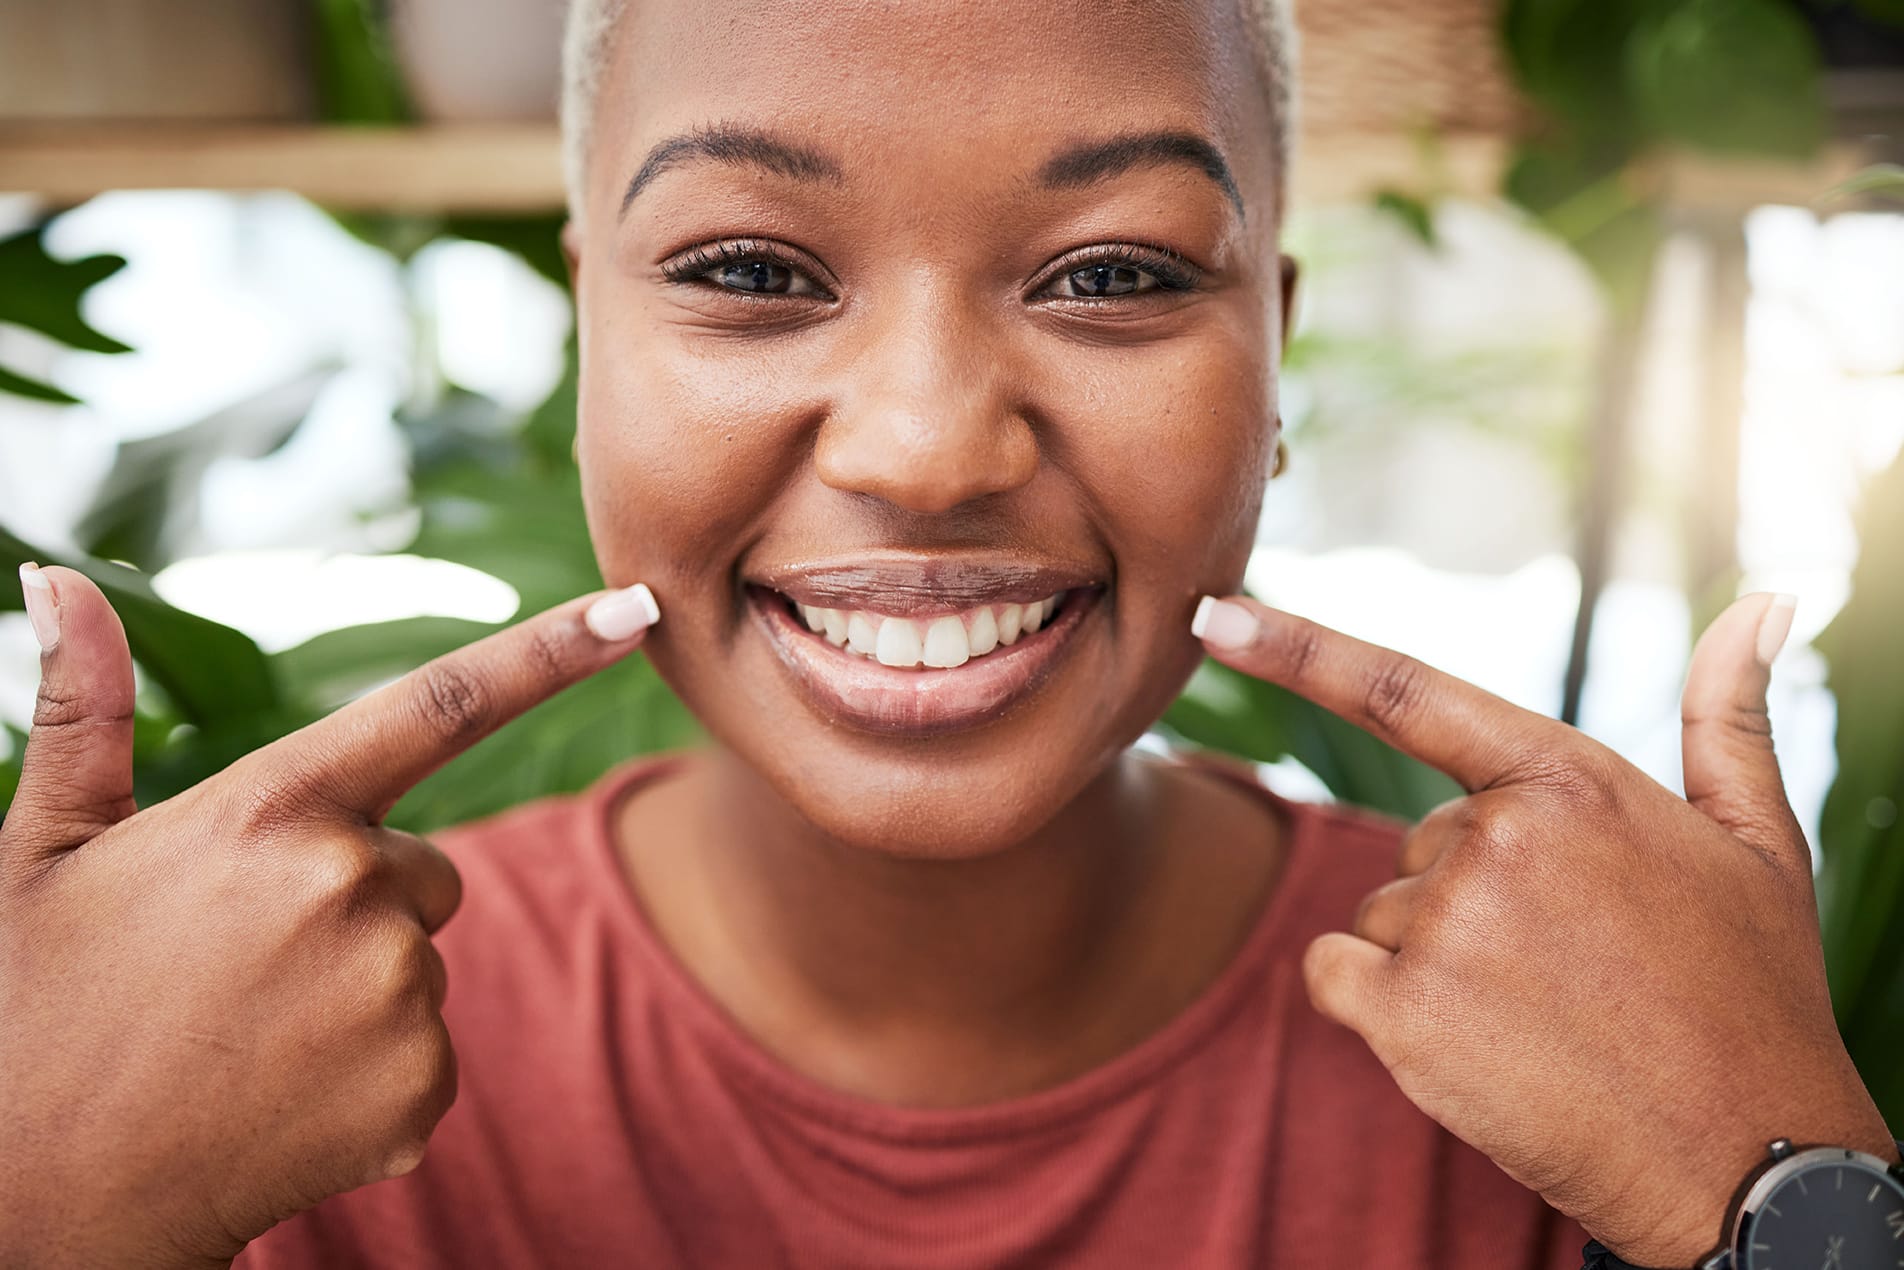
x=1171 y=270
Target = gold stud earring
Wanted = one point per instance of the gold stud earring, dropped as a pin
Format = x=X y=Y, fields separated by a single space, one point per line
x=1282 y=459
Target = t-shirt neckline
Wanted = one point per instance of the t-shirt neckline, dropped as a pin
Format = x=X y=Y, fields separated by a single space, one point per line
x=1116 y=1078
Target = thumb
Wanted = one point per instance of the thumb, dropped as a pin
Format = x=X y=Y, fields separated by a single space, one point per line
x=1731 y=772
x=76 y=776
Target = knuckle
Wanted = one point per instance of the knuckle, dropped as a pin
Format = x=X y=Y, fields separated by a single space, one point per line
x=1394 y=692
x=423 y=1091
x=553 y=654
x=348 y=873
x=454 y=704
x=1497 y=835
x=1299 y=649
x=60 y=708
x=404 y=974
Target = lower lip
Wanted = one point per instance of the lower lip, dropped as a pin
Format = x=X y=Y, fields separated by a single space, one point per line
x=863 y=694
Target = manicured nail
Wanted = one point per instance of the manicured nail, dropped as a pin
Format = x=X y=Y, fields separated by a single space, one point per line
x=42 y=609
x=1223 y=625
x=1775 y=626
x=620 y=614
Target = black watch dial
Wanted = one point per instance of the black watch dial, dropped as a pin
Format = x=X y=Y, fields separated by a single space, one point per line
x=1828 y=1216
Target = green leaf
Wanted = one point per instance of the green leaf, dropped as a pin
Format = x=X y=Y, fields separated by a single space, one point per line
x=43 y=293
x=1733 y=76
x=1861 y=881
x=357 y=76
x=33 y=389
x=1226 y=710
x=215 y=676
x=1414 y=214
x=1567 y=56
x=1885 y=179
x=10 y=766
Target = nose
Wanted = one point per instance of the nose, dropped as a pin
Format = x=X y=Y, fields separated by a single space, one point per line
x=926 y=419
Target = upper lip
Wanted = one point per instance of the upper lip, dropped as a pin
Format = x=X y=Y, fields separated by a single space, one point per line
x=905 y=585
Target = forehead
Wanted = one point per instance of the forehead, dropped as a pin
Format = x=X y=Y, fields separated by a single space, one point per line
x=914 y=83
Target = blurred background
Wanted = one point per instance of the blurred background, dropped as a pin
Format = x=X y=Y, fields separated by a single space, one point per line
x=1602 y=324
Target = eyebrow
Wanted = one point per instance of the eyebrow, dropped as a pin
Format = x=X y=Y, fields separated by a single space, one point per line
x=1089 y=162
x=1084 y=163
x=736 y=147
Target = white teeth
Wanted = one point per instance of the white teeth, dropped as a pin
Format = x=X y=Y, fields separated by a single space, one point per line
x=946 y=645
x=942 y=643
x=898 y=643
x=984 y=634
x=1009 y=618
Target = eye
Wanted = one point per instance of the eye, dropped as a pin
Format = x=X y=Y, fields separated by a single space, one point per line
x=744 y=266
x=1118 y=271
x=1095 y=281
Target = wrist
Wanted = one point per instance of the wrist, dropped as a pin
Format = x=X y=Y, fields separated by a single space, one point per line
x=1686 y=1245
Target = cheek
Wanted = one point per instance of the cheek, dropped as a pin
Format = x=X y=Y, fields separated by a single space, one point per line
x=1183 y=483
x=679 y=457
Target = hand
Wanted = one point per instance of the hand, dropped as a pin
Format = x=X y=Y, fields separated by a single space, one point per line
x=221 y=1009
x=1618 y=995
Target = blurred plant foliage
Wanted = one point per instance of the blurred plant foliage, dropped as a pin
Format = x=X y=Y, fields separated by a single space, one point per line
x=43 y=294
x=1861 y=882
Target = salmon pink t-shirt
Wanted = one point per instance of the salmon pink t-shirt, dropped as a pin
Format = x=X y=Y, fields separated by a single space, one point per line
x=610 y=1113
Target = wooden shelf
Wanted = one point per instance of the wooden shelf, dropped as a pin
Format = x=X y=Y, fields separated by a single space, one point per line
x=517 y=168
x=462 y=169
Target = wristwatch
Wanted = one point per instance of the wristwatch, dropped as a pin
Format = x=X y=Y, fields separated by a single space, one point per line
x=1818 y=1207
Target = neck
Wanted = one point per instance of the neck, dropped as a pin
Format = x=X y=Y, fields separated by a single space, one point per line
x=934 y=982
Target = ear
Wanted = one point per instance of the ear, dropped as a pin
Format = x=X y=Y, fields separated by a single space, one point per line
x=572 y=253
x=1291 y=274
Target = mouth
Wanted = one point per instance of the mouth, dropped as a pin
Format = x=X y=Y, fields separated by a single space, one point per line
x=917 y=656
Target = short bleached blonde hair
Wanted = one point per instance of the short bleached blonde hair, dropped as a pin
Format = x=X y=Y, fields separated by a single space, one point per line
x=588 y=44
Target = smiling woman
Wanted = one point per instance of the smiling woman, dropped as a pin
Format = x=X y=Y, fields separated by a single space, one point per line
x=929 y=360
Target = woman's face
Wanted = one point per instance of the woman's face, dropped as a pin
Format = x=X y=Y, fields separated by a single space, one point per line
x=919 y=315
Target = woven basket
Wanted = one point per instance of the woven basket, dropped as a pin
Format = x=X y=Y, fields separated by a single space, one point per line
x=1383 y=66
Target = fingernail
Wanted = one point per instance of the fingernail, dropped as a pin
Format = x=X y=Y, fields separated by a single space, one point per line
x=42 y=609
x=1775 y=626
x=1225 y=625
x=620 y=614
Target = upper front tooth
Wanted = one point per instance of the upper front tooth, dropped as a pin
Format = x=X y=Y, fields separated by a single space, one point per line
x=835 y=623
x=898 y=642
x=946 y=645
x=1010 y=618
x=815 y=618
x=861 y=635
x=983 y=637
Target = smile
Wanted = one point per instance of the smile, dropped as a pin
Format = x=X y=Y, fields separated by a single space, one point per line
x=919 y=650
x=944 y=643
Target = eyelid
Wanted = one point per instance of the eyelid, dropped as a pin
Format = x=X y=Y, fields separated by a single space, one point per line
x=691 y=264
x=1173 y=271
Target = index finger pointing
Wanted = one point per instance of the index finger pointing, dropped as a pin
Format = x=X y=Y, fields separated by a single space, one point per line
x=1448 y=723
x=366 y=756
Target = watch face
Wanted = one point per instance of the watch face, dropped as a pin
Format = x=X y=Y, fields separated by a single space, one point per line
x=1827 y=1216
